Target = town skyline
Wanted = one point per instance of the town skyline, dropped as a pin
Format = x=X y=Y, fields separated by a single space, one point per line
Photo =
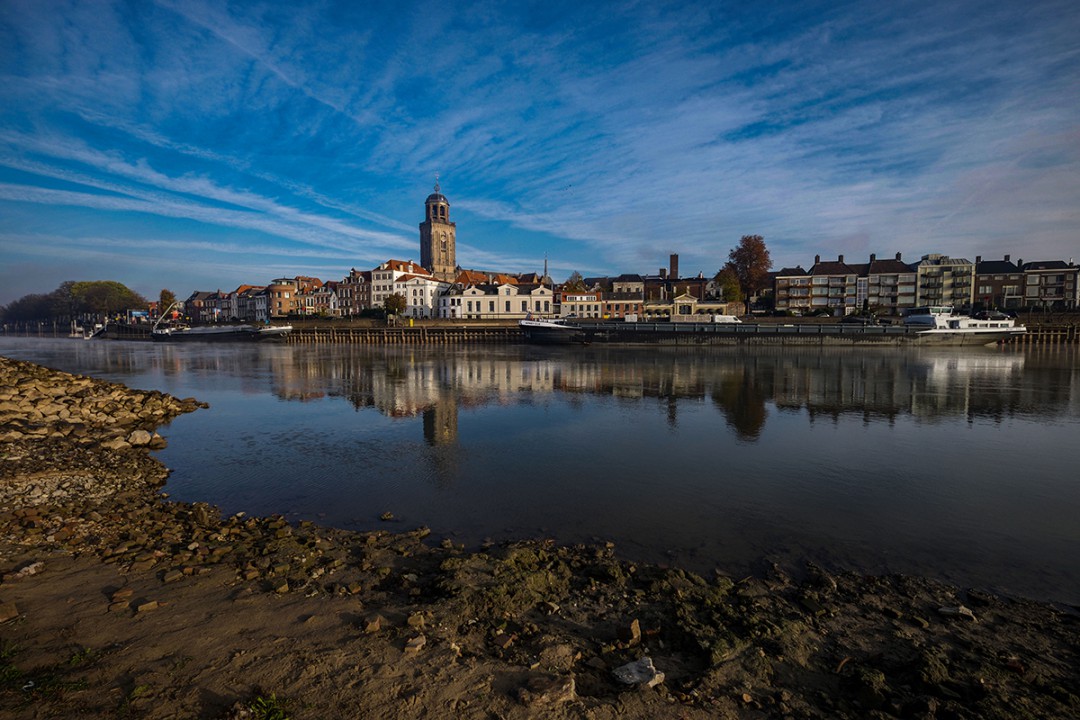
x=199 y=145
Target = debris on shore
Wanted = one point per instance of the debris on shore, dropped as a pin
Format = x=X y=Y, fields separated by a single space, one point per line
x=115 y=600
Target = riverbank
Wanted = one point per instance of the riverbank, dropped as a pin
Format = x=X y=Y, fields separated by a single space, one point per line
x=116 y=601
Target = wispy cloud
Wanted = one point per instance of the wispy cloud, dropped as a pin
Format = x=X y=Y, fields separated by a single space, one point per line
x=606 y=139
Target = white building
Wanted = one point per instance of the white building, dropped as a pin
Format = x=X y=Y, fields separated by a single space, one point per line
x=504 y=301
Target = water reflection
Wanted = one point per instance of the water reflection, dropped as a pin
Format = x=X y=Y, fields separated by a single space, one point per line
x=742 y=386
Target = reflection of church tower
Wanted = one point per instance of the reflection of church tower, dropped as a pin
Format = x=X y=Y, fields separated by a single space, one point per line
x=441 y=422
x=438 y=241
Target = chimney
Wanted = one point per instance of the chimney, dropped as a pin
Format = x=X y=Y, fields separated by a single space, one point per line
x=897 y=256
x=663 y=274
x=839 y=258
x=873 y=257
x=1019 y=263
x=978 y=259
x=674 y=266
x=1007 y=258
x=817 y=259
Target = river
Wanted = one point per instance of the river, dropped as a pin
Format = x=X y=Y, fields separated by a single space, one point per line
x=956 y=464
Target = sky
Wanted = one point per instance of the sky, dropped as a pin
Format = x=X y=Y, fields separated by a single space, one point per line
x=203 y=144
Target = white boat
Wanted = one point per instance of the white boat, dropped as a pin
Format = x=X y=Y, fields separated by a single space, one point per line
x=219 y=333
x=944 y=327
x=550 y=331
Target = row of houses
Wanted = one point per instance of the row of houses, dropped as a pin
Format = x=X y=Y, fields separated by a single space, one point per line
x=891 y=285
x=834 y=286
x=473 y=295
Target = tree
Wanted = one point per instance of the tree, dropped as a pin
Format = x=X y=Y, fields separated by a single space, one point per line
x=395 y=304
x=750 y=262
x=728 y=282
x=105 y=297
x=165 y=299
x=72 y=300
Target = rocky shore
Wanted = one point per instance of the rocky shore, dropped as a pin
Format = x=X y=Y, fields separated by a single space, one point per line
x=117 y=602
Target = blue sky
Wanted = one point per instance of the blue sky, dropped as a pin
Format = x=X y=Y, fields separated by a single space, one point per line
x=191 y=144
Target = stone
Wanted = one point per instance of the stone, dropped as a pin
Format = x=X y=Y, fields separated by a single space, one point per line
x=548 y=690
x=958 y=611
x=139 y=438
x=25 y=570
x=503 y=640
x=416 y=621
x=639 y=672
x=146 y=606
x=630 y=634
x=8 y=611
x=374 y=624
x=415 y=645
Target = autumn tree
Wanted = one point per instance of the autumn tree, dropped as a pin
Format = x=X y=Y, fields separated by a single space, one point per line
x=750 y=262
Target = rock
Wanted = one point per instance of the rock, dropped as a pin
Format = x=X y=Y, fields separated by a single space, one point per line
x=958 y=611
x=548 y=690
x=374 y=624
x=415 y=645
x=416 y=621
x=503 y=640
x=139 y=438
x=25 y=570
x=8 y=611
x=639 y=672
x=146 y=606
x=630 y=634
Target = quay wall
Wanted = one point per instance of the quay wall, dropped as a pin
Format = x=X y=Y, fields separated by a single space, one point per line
x=598 y=332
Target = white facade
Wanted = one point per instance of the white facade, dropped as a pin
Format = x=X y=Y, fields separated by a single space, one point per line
x=384 y=277
x=421 y=294
x=496 y=302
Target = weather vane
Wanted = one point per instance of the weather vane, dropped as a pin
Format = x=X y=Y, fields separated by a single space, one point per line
x=436 y=182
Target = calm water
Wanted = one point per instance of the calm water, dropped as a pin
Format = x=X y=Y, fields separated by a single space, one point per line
x=960 y=465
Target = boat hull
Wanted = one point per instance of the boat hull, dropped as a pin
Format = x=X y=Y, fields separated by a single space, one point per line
x=551 y=333
x=969 y=337
x=242 y=333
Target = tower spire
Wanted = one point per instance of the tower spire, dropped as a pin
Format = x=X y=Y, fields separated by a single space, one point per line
x=436 y=182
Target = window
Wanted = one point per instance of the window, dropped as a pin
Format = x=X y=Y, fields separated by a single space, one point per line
x=491 y=306
x=524 y=305
x=507 y=306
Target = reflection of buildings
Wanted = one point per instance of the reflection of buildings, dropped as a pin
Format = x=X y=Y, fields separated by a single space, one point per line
x=823 y=382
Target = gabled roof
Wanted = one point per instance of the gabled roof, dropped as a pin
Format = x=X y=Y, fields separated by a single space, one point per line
x=404 y=266
x=200 y=296
x=471 y=277
x=629 y=277
x=412 y=276
x=796 y=271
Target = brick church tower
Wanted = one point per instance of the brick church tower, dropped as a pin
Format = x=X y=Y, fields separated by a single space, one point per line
x=438 y=241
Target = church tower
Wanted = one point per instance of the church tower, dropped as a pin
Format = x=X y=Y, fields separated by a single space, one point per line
x=438 y=241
